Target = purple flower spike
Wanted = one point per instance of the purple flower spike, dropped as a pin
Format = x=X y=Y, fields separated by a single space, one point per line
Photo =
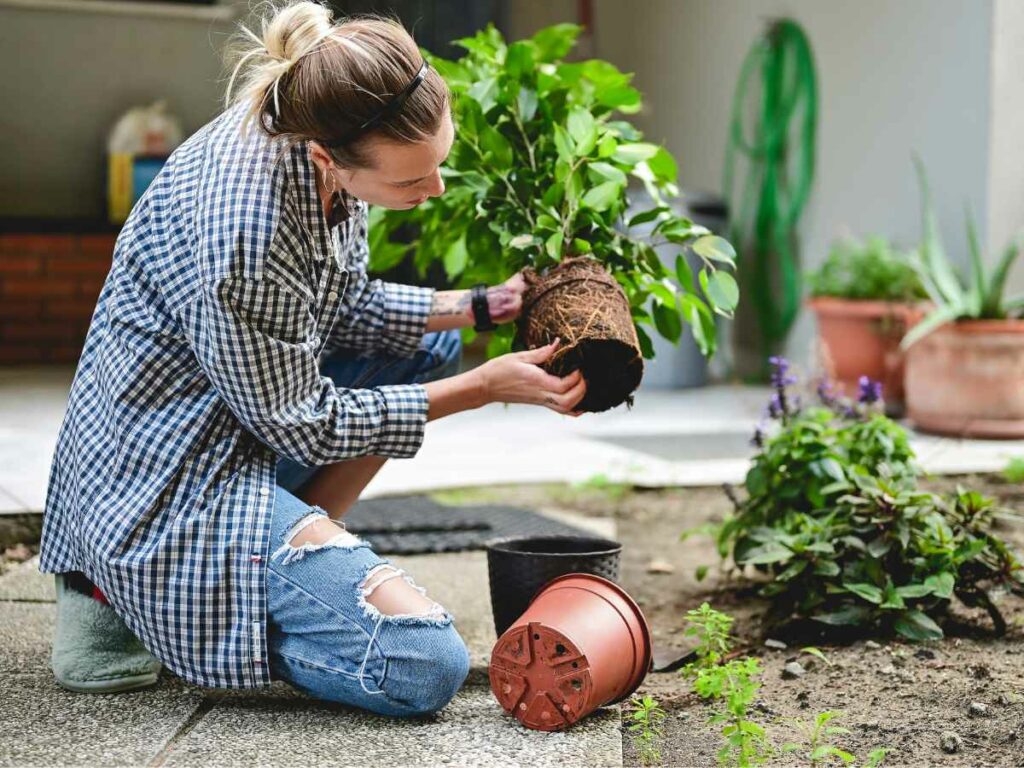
x=826 y=393
x=870 y=391
x=776 y=407
x=781 y=376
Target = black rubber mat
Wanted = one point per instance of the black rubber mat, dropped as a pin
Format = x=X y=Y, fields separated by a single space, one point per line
x=407 y=525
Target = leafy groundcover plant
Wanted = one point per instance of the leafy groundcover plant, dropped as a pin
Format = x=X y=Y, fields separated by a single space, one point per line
x=539 y=172
x=834 y=516
x=866 y=270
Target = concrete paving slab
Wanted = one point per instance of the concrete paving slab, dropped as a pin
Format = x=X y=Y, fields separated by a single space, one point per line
x=25 y=583
x=25 y=633
x=42 y=724
x=264 y=730
x=33 y=400
x=9 y=505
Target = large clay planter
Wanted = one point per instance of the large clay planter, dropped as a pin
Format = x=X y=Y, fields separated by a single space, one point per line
x=579 y=302
x=583 y=643
x=517 y=568
x=967 y=379
x=862 y=338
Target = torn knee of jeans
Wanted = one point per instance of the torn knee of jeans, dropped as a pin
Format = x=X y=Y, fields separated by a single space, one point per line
x=335 y=537
x=381 y=573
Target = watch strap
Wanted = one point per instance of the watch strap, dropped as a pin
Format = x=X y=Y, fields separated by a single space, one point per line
x=481 y=309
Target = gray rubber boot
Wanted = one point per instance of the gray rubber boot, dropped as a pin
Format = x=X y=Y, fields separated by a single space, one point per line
x=93 y=650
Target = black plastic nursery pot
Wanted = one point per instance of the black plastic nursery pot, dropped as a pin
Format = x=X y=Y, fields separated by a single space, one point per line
x=518 y=568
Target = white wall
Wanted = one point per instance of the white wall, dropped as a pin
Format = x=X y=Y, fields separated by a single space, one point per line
x=1006 y=159
x=67 y=76
x=893 y=77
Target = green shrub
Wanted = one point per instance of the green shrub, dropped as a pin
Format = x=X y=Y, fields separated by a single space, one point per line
x=539 y=170
x=833 y=515
x=866 y=270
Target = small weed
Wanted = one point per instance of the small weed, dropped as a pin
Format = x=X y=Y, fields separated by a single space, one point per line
x=1014 y=470
x=711 y=628
x=733 y=685
x=645 y=724
x=817 y=653
x=602 y=484
x=818 y=747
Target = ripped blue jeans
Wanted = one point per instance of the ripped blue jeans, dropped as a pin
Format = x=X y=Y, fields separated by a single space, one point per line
x=325 y=638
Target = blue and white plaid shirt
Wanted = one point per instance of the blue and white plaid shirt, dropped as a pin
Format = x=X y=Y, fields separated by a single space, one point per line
x=200 y=369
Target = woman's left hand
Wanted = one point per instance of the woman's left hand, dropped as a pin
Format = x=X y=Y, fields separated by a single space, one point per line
x=505 y=301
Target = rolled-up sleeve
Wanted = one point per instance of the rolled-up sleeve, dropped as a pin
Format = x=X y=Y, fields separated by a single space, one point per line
x=256 y=341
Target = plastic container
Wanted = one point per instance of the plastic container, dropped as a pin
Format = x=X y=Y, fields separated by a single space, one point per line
x=519 y=567
x=582 y=643
x=138 y=145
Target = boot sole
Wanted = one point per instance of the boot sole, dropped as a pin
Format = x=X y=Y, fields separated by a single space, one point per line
x=116 y=685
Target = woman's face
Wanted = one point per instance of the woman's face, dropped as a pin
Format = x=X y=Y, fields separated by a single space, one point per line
x=403 y=176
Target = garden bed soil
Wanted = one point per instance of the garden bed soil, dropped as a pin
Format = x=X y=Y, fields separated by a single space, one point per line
x=893 y=694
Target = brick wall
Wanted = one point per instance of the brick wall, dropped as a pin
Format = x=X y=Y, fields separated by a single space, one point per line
x=48 y=290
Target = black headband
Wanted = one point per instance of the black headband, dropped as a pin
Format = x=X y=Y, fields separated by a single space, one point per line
x=392 y=108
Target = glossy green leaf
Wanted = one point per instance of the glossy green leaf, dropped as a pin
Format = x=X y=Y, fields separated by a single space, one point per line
x=603 y=196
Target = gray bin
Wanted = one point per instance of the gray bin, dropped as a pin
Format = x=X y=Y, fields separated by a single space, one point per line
x=678 y=366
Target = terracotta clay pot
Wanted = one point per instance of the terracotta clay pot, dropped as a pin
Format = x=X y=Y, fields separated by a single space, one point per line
x=583 y=643
x=967 y=379
x=518 y=567
x=862 y=338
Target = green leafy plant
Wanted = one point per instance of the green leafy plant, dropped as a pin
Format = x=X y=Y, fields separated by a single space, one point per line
x=733 y=685
x=833 y=516
x=871 y=269
x=539 y=171
x=645 y=720
x=817 y=743
x=711 y=629
x=980 y=297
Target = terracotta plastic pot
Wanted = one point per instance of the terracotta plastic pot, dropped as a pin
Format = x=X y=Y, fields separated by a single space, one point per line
x=519 y=567
x=582 y=644
x=967 y=379
x=862 y=338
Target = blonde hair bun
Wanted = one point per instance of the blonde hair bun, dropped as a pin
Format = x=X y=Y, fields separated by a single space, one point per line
x=307 y=76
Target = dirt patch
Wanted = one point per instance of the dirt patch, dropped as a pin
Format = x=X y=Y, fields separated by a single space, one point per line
x=893 y=694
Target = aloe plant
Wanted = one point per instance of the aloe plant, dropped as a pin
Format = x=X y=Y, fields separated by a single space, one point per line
x=980 y=297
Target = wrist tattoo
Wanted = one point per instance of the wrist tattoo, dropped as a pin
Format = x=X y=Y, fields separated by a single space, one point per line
x=449 y=303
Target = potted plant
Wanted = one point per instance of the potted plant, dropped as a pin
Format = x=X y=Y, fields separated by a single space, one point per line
x=965 y=360
x=537 y=179
x=865 y=296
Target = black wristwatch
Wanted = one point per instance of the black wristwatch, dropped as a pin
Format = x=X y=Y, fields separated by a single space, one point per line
x=481 y=310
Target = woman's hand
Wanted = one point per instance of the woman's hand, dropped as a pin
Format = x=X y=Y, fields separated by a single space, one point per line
x=518 y=378
x=505 y=301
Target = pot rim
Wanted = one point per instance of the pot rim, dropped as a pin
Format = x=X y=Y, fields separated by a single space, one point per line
x=645 y=628
x=500 y=545
x=835 y=305
x=976 y=327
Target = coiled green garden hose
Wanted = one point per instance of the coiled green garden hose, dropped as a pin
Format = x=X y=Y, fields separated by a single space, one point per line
x=779 y=148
